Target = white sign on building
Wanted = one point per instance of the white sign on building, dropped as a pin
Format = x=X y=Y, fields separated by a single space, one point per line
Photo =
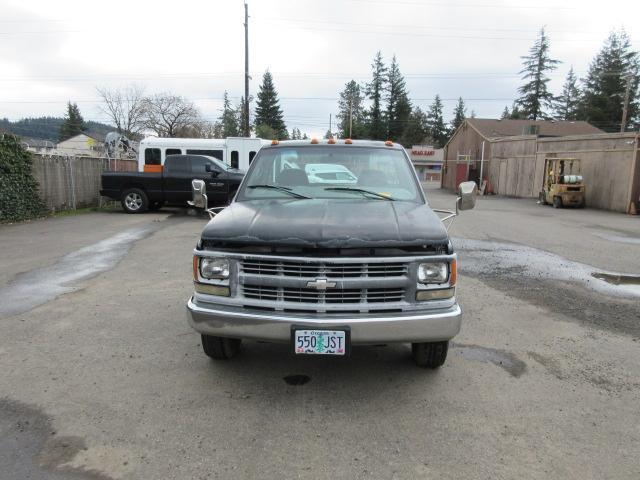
x=427 y=161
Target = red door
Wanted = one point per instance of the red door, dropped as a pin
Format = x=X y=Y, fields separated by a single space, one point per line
x=461 y=174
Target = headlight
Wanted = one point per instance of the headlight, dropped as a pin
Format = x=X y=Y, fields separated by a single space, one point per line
x=214 y=268
x=433 y=272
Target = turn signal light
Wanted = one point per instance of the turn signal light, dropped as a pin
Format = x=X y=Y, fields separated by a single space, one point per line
x=211 y=289
x=274 y=142
x=389 y=143
x=195 y=268
x=453 y=275
x=348 y=141
x=440 y=294
x=314 y=141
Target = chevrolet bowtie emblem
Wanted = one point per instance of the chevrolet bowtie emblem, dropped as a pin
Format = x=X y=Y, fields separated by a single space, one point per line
x=321 y=284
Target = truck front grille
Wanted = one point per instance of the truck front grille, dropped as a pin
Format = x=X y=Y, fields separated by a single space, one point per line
x=325 y=270
x=309 y=295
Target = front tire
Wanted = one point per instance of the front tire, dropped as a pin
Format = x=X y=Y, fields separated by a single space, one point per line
x=430 y=354
x=134 y=200
x=557 y=202
x=542 y=199
x=220 y=348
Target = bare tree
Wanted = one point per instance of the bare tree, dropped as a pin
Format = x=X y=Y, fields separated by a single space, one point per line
x=169 y=115
x=125 y=108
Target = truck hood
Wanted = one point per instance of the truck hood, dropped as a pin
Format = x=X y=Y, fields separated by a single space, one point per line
x=326 y=223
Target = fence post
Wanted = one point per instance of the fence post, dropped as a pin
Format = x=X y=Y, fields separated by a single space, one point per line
x=73 y=183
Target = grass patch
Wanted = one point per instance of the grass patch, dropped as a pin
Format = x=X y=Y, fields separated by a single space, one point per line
x=107 y=207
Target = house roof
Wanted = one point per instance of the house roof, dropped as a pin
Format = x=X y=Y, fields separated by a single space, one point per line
x=96 y=136
x=491 y=128
x=37 y=142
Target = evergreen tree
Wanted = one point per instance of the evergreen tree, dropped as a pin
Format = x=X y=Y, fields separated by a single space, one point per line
x=417 y=129
x=351 y=105
x=375 y=90
x=435 y=123
x=459 y=114
x=268 y=111
x=535 y=97
x=240 y=113
x=328 y=134
x=516 y=114
x=265 y=131
x=295 y=134
x=304 y=136
x=604 y=88
x=398 y=106
x=73 y=122
x=229 y=119
x=566 y=106
x=505 y=113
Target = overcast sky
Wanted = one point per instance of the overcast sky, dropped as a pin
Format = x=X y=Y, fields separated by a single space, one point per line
x=54 y=51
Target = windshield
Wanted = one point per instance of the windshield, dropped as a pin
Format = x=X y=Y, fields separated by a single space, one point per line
x=366 y=173
x=221 y=165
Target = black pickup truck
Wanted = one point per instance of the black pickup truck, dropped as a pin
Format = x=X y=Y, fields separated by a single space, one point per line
x=141 y=191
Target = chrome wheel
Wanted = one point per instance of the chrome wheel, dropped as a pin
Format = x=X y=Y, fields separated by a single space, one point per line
x=133 y=201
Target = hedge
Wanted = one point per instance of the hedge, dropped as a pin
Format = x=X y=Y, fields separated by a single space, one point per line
x=19 y=199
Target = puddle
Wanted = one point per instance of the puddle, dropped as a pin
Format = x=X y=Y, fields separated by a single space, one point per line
x=297 y=380
x=506 y=360
x=617 y=279
x=30 y=448
x=36 y=287
x=487 y=258
x=618 y=238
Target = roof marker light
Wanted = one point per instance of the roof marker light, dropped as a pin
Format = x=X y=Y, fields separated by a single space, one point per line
x=331 y=141
x=348 y=141
x=389 y=143
x=314 y=141
x=274 y=142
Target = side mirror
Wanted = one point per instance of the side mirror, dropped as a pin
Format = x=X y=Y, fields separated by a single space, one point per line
x=467 y=192
x=199 y=194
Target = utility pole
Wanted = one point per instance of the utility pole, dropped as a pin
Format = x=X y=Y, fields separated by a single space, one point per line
x=331 y=133
x=247 y=131
x=350 y=117
x=625 y=107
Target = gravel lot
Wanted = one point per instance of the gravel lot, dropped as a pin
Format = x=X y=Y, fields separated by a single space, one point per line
x=102 y=378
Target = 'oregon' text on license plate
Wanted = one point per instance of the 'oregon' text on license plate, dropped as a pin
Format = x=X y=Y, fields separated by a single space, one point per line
x=320 y=342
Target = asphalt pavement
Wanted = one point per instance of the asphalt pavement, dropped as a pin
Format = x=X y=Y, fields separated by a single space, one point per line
x=102 y=378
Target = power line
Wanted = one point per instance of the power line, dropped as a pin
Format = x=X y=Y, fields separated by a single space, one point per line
x=413 y=26
x=320 y=75
x=328 y=99
x=469 y=5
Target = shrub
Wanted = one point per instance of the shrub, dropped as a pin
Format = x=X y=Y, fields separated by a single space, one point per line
x=19 y=199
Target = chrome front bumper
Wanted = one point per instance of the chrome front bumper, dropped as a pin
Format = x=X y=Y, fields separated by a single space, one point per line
x=409 y=327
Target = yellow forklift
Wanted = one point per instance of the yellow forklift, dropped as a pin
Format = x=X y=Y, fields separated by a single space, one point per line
x=562 y=185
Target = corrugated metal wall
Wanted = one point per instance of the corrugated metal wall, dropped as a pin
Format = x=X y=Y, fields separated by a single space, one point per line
x=611 y=176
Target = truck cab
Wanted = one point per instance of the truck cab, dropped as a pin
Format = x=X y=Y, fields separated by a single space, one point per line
x=324 y=266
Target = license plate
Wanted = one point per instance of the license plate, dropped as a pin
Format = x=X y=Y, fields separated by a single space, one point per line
x=320 y=342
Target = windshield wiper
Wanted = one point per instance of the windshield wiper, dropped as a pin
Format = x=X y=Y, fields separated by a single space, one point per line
x=279 y=188
x=361 y=190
